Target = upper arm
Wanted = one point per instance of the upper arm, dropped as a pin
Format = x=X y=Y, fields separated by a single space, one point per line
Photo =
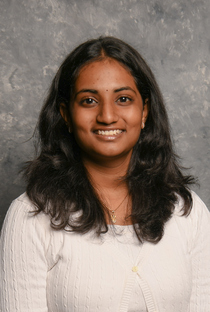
x=23 y=265
x=200 y=255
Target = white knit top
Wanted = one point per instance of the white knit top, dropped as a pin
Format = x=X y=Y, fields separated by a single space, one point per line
x=43 y=270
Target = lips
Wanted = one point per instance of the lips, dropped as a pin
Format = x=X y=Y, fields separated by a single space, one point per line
x=109 y=132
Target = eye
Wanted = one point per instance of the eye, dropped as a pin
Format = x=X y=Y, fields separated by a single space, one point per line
x=124 y=99
x=88 y=101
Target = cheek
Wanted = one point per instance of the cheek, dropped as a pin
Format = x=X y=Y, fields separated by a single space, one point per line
x=134 y=119
x=135 y=126
x=79 y=132
x=79 y=121
x=81 y=129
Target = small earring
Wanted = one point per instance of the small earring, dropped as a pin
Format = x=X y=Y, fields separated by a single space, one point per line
x=143 y=125
x=68 y=127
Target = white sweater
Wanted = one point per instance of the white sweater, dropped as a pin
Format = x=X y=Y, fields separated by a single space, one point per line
x=43 y=270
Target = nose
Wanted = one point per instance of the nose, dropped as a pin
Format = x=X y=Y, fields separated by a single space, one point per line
x=107 y=113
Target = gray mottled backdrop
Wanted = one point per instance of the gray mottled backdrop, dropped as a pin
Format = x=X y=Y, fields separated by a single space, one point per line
x=173 y=36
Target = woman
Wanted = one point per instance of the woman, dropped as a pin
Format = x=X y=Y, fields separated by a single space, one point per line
x=108 y=222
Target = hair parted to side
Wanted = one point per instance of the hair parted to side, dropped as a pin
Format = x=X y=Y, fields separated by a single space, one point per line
x=57 y=182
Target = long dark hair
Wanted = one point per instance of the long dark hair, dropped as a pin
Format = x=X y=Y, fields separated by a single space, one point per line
x=57 y=181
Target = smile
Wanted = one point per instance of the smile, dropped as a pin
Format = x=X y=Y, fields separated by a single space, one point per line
x=110 y=132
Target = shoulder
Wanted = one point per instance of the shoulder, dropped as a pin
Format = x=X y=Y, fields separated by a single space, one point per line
x=198 y=210
x=19 y=208
x=199 y=215
x=21 y=203
x=20 y=217
x=194 y=225
x=26 y=230
x=23 y=200
x=198 y=204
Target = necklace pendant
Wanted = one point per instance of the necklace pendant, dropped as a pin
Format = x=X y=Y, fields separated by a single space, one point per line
x=113 y=217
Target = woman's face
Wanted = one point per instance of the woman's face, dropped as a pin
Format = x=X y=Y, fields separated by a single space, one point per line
x=106 y=113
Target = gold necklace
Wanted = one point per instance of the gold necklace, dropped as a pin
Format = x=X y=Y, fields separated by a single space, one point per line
x=112 y=211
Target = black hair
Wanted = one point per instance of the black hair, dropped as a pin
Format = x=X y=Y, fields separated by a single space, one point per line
x=57 y=181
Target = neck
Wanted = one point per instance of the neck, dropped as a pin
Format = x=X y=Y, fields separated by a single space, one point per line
x=108 y=180
x=107 y=175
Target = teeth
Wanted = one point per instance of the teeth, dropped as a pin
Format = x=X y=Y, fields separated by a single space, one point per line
x=111 y=132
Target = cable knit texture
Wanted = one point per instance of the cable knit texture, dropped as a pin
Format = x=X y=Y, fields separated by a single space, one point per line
x=43 y=270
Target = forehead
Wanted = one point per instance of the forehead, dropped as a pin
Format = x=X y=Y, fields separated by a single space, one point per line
x=107 y=70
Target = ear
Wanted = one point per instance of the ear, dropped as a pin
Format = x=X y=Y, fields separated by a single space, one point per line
x=64 y=113
x=146 y=108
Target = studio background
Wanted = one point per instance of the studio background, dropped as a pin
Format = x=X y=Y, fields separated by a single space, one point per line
x=172 y=35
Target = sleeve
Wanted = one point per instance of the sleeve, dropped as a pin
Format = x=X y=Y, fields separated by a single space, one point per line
x=23 y=265
x=200 y=253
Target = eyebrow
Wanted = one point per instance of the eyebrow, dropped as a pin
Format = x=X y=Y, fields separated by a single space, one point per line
x=86 y=91
x=124 y=88
x=96 y=92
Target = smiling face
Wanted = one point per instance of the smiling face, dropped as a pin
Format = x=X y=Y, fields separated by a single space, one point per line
x=106 y=114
